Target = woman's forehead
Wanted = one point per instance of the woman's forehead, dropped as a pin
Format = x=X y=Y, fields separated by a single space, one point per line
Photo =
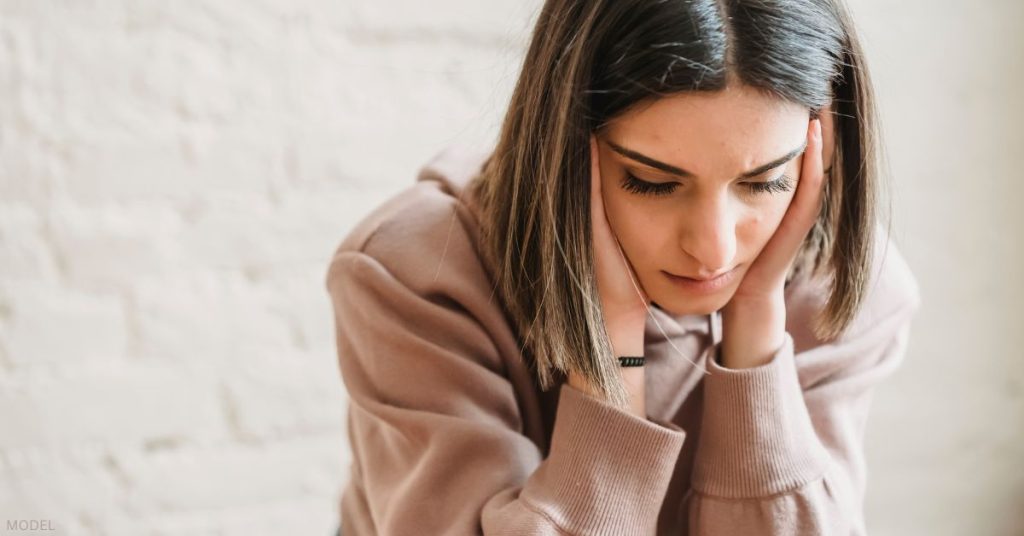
x=708 y=133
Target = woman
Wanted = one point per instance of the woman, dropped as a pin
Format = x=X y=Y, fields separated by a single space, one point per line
x=659 y=305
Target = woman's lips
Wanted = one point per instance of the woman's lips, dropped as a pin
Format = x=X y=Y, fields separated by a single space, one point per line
x=701 y=286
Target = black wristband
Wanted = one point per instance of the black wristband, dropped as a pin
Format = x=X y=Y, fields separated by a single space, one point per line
x=631 y=361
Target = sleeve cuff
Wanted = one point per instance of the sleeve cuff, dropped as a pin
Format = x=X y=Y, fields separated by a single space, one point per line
x=756 y=435
x=607 y=471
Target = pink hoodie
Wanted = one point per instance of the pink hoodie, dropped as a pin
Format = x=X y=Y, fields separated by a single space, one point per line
x=451 y=434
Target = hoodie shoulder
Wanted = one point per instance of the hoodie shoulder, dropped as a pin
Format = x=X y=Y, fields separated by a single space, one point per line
x=892 y=289
x=428 y=232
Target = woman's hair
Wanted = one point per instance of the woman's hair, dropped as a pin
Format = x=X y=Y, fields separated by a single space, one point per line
x=590 y=61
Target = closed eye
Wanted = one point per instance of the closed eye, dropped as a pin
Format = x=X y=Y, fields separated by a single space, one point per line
x=777 y=186
x=641 y=187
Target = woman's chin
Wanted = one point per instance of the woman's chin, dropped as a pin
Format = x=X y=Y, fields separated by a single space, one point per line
x=684 y=306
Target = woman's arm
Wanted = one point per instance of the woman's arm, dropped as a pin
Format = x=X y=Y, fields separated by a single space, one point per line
x=781 y=444
x=436 y=427
x=623 y=303
x=780 y=449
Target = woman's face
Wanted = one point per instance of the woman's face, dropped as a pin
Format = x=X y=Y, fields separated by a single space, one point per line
x=709 y=215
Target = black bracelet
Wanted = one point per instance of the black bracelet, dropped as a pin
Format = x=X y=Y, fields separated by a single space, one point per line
x=632 y=361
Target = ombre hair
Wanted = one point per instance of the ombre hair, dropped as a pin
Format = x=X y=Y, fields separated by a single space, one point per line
x=590 y=61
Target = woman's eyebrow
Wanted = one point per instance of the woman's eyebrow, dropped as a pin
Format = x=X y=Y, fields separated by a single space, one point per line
x=668 y=168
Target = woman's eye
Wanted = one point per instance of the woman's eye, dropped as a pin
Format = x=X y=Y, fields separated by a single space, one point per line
x=777 y=186
x=632 y=184
x=637 y=186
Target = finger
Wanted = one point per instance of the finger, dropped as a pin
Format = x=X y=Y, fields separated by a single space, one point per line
x=805 y=206
x=595 y=179
x=811 y=175
x=596 y=199
x=812 y=178
x=602 y=227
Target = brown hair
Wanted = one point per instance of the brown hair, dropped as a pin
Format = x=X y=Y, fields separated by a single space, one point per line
x=590 y=61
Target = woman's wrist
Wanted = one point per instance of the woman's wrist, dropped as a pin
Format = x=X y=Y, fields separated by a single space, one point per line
x=752 y=332
x=626 y=335
x=627 y=339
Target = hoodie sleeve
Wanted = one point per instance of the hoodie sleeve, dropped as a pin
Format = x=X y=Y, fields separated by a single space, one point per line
x=781 y=444
x=436 y=436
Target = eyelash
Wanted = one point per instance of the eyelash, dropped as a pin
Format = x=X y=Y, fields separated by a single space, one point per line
x=637 y=186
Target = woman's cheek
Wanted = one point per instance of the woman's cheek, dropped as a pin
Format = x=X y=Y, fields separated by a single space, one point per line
x=762 y=221
x=773 y=219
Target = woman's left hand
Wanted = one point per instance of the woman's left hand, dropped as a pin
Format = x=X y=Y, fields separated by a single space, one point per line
x=754 y=320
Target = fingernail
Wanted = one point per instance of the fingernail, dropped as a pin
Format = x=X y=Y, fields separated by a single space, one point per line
x=817 y=129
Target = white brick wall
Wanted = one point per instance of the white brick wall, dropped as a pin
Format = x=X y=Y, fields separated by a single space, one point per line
x=173 y=179
x=175 y=175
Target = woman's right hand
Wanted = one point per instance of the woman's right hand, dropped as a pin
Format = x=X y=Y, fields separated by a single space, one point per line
x=623 y=300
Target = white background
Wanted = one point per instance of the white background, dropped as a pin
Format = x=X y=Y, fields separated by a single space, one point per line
x=174 y=177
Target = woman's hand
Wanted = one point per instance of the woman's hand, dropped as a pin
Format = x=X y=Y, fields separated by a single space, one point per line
x=754 y=320
x=623 y=300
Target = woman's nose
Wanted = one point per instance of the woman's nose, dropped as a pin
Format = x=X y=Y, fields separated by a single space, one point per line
x=709 y=237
